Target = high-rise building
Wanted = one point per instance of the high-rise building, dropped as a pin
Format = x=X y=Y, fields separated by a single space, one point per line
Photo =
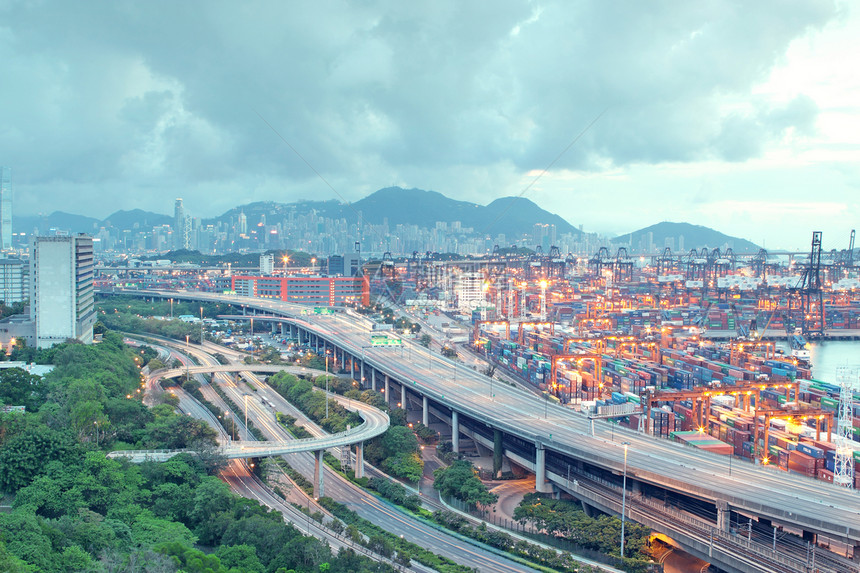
x=61 y=289
x=267 y=265
x=5 y=208
x=469 y=291
x=13 y=281
x=243 y=223
x=181 y=227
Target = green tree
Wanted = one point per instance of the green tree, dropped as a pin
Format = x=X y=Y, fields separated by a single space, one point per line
x=147 y=530
x=26 y=539
x=10 y=563
x=191 y=560
x=459 y=480
x=404 y=465
x=24 y=456
x=20 y=388
x=240 y=557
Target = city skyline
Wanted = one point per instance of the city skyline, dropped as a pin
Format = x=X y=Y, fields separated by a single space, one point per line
x=687 y=112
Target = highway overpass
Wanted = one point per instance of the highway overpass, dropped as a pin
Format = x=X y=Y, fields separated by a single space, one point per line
x=556 y=442
x=374 y=423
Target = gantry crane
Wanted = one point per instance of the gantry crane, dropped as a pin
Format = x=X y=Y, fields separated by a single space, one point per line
x=808 y=290
x=701 y=398
x=536 y=324
x=476 y=330
x=763 y=431
x=577 y=359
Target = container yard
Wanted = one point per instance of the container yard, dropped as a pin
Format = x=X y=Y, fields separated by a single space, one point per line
x=721 y=365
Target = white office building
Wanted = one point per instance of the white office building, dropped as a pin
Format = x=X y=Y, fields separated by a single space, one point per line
x=61 y=289
x=13 y=281
x=469 y=290
x=267 y=265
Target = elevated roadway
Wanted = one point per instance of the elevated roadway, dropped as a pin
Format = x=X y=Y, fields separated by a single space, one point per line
x=375 y=422
x=551 y=433
x=366 y=505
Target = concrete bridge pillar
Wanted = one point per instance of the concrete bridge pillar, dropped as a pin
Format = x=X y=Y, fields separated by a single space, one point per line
x=282 y=329
x=359 y=460
x=403 y=396
x=316 y=344
x=540 y=470
x=373 y=379
x=352 y=367
x=274 y=328
x=724 y=513
x=318 y=474
x=425 y=411
x=387 y=390
x=497 y=453
x=589 y=512
x=455 y=432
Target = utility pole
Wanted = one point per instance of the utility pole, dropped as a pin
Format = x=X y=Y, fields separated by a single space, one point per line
x=326 y=384
x=624 y=497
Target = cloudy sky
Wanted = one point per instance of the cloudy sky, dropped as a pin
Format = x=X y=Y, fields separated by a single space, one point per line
x=742 y=116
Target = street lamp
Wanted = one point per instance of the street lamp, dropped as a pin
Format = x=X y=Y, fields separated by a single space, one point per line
x=247 y=434
x=624 y=497
x=326 y=384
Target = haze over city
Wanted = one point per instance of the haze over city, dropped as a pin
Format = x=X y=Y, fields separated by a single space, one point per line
x=739 y=116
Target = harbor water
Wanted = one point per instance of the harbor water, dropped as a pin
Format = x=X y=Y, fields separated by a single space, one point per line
x=830 y=355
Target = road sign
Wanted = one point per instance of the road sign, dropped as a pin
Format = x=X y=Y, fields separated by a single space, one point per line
x=384 y=340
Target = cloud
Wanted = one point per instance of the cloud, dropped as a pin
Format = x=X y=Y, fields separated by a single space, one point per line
x=462 y=97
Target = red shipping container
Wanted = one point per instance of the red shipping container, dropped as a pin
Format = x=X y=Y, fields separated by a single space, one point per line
x=826 y=446
x=801 y=463
x=825 y=475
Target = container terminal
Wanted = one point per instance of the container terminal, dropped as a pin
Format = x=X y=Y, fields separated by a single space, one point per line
x=709 y=348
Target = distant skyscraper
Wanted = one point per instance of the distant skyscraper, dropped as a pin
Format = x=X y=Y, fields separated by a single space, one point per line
x=61 y=289
x=243 y=223
x=181 y=227
x=5 y=208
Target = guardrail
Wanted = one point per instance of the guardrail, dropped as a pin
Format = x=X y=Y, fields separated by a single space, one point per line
x=363 y=432
x=702 y=526
x=833 y=528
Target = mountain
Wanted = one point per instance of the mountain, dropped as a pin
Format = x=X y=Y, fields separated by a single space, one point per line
x=136 y=217
x=83 y=224
x=56 y=220
x=512 y=216
x=694 y=237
